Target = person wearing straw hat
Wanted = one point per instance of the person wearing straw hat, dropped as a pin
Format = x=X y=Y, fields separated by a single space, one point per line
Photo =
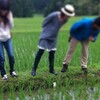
x=48 y=38
x=83 y=31
x=6 y=23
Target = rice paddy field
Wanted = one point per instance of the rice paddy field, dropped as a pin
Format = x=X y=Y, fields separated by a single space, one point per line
x=72 y=85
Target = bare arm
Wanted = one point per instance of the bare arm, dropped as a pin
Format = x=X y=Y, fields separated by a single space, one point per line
x=11 y=21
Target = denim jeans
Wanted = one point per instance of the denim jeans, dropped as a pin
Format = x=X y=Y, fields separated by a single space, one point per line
x=8 y=46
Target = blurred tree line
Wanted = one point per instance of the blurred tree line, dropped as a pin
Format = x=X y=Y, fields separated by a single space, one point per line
x=27 y=8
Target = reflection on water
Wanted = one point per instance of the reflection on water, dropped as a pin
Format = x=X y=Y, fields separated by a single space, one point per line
x=90 y=94
x=72 y=94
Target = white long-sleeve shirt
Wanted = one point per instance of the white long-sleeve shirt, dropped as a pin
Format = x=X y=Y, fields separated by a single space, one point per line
x=5 y=30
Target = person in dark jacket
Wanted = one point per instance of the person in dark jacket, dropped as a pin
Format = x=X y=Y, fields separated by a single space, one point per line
x=83 y=31
x=48 y=38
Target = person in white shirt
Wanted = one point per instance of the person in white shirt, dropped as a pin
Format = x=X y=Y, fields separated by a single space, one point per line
x=6 y=23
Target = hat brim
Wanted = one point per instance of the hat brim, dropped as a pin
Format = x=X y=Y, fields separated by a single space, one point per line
x=68 y=14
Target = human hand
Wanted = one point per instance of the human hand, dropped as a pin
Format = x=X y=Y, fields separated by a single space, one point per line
x=91 y=38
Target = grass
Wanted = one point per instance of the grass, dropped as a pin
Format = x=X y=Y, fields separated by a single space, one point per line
x=45 y=80
x=25 y=39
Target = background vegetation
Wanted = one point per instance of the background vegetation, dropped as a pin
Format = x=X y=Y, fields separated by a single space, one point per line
x=27 y=8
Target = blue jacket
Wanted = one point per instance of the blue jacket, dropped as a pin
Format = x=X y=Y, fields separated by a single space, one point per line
x=82 y=29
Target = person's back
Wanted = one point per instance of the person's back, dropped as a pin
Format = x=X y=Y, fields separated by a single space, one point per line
x=82 y=29
x=51 y=26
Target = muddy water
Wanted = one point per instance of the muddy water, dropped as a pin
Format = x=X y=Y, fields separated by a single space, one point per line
x=57 y=94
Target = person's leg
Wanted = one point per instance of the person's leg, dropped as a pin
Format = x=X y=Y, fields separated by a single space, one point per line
x=84 y=59
x=2 y=59
x=73 y=44
x=51 y=62
x=9 y=49
x=37 y=60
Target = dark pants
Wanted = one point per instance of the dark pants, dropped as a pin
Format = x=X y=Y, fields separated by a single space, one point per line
x=38 y=57
x=8 y=47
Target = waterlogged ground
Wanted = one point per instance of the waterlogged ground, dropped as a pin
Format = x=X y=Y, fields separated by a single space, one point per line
x=62 y=93
x=68 y=86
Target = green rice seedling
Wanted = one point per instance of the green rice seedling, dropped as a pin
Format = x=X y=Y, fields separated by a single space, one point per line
x=1 y=96
x=22 y=94
x=97 y=93
x=12 y=95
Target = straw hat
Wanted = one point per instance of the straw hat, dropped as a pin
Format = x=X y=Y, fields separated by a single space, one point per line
x=68 y=10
